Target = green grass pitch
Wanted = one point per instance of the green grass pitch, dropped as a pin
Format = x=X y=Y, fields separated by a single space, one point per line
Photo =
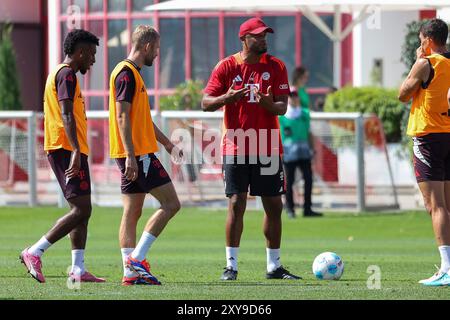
x=188 y=257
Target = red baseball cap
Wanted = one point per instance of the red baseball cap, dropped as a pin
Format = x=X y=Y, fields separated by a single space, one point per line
x=253 y=26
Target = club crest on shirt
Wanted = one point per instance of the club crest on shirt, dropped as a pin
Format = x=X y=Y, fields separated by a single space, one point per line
x=266 y=76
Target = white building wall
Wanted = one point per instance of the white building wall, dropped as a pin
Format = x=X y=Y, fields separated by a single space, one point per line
x=53 y=41
x=444 y=14
x=382 y=43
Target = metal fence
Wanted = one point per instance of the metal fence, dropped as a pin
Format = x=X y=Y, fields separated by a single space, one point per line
x=340 y=138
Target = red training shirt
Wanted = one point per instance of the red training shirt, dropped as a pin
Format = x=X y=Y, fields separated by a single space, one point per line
x=246 y=113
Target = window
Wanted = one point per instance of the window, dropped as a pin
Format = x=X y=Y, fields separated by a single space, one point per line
x=232 y=41
x=147 y=73
x=117 y=42
x=95 y=6
x=81 y=4
x=139 y=5
x=196 y=59
x=64 y=5
x=94 y=103
x=317 y=53
x=137 y=22
x=151 y=101
x=97 y=72
x=117 y=6
x=204 y=47
x=172 y=53
x=281 y=43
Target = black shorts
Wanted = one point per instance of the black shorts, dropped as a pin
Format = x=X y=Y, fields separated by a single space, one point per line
x=75 y=187
x=155 y=175
x=432 y=157
x=264 y=176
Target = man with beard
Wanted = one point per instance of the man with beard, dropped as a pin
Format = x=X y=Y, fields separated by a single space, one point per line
x=253 y=87
x=133 y=141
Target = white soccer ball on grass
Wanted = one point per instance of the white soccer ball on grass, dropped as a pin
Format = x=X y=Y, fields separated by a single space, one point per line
x=328 y=266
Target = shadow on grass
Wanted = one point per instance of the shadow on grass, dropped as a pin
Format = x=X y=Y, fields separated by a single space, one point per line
x=244 y=284
x=365 y=214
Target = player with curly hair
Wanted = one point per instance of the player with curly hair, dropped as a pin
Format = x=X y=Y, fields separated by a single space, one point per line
x=65 y=141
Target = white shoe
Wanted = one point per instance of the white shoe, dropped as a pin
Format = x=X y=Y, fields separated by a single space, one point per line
x=438 y=279
x=434 y=277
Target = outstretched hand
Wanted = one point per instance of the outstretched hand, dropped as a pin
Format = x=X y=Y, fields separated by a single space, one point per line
x=264 y=99
x=233 y=95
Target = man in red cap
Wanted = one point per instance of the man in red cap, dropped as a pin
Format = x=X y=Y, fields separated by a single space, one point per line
x=253 y=88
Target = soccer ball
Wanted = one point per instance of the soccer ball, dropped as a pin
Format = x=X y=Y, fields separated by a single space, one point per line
x=328 y=266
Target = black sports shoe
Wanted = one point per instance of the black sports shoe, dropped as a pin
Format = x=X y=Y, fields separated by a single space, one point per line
x=310 y=213
x=229 y=274
x=281 y=273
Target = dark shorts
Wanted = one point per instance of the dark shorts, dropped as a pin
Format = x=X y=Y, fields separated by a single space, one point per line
x=432 y=157
x=265 y=177
x=75 y=187
x=155 y=176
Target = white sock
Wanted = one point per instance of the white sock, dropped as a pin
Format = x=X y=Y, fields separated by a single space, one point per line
x=143 y=246
x=273 y=259
x=39 y=247
x=127 y=272
x=78 y=262
x=445 y=258
x=232 y=256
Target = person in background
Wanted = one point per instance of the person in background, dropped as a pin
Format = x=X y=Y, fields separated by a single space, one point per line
x=297 y=143
x=300 y=77
x=319 y=103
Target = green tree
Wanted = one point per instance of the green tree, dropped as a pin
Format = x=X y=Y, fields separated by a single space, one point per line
x=409 y=48
x=380 y=101
x=411 y=43
x=187 y=96
x=9 y=82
